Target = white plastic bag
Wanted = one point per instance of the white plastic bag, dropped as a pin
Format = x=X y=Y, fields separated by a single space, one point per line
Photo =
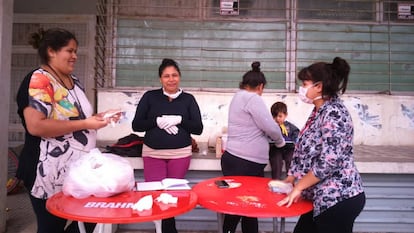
x=279 y=186
x=99 y=174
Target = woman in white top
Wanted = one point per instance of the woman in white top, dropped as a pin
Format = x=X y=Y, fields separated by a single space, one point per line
x=59 y=123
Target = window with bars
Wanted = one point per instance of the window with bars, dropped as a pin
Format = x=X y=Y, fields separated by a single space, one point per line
x=25 y=58
x=215 y=50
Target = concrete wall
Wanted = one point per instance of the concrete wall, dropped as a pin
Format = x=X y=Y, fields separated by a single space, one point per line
x=55 y=7
x=6 y=18
x=378 y=119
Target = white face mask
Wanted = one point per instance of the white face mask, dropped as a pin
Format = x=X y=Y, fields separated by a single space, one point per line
x=302 y=94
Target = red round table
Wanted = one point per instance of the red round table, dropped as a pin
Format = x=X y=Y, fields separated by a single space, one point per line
x=247 y=196
x=117 y=209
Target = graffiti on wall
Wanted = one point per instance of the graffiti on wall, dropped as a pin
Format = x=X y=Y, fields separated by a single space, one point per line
x=367 y=117
x=409 y=113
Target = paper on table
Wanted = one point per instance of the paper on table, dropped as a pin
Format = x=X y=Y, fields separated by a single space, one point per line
x=165 y=184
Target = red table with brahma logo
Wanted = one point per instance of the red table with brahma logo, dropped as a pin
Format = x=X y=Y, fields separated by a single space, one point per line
x=118 y=209
x=247 y=196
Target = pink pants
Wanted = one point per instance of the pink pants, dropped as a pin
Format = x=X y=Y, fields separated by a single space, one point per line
x=157 y=169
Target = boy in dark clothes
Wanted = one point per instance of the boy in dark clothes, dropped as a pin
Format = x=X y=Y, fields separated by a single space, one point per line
x=290 y=132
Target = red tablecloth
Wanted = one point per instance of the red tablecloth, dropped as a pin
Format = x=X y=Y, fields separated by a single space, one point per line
x=117 y=209
x=247 y=196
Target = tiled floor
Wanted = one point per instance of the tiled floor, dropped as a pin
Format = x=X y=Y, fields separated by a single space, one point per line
x=20 y=216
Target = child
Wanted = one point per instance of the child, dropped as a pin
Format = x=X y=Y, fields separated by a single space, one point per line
x=290 y=133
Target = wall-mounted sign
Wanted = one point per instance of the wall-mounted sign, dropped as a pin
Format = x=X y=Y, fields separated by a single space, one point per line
x=406 y=11
x=229 y=7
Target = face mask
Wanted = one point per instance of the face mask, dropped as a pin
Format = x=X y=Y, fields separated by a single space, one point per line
x=302 y=94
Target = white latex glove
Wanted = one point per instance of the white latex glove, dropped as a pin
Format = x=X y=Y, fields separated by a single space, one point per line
x=113 y=115
x=167 y=121
x=162 y=122
x=172 y=130
x=173 y=120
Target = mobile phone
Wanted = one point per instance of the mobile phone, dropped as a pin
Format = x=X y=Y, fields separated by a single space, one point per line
x=221 y=184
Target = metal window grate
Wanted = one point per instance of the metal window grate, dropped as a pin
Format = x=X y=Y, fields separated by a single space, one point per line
x=215 y=50
x=25 y=58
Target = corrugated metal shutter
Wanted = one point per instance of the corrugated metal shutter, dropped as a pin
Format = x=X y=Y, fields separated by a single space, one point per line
x=215 y=50
x=210 y=54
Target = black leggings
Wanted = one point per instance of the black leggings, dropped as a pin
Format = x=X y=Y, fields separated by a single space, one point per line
x=339 y=219
x=235 y=166
x=49 y=223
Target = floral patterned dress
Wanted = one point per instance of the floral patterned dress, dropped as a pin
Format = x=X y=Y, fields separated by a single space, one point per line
x=325 y=147
x=48 y=96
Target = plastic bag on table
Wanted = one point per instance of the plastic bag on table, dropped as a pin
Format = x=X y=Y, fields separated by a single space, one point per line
x=99 y=174
x=279 y=186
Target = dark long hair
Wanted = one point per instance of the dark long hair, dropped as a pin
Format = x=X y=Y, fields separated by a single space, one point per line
x=54 y=38
x=334 y=76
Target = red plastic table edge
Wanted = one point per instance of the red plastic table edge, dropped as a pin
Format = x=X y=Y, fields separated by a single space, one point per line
x=53 y=203
x=200 y=189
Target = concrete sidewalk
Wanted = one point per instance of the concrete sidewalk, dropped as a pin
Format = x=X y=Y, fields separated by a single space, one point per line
x=20 y=216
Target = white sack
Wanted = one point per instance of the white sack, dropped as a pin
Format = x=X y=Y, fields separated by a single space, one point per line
x=99 y=174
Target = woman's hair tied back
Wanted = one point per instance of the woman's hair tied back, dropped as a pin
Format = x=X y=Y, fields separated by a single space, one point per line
x=253 y=78
x=340 y=66
x=166 y=62
x=334 y=76
x=256 y=66
x=53 y=38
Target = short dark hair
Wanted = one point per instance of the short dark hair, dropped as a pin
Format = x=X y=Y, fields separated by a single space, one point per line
x=334 y=76
x=253 y=78
x=166 y=62
x=278 y=107
x=54 y=38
